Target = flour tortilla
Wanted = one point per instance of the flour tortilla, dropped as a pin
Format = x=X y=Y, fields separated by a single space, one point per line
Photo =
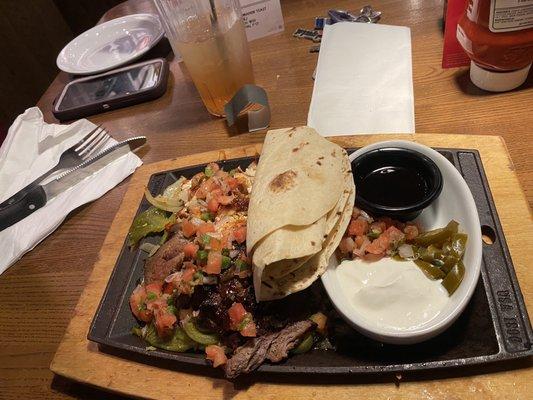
x=296 y=182
x=296 y=244
x=312 y=269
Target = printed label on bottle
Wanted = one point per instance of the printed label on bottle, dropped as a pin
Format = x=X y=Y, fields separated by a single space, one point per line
x=510 y=15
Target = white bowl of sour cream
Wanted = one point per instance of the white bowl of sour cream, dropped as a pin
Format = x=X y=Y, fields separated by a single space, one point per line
x=393 y=301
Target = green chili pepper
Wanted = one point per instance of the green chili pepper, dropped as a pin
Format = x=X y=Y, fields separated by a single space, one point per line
x=437 y=236
x=449 y=262
x=179 y=341
x=453 y=279
x=203 y=338
x=431 y=271
x=458 y=244
x=374 y=233
x=305 y=345
x=226 y=262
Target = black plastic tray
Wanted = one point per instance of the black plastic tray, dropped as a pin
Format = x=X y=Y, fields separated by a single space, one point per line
x=495 y=326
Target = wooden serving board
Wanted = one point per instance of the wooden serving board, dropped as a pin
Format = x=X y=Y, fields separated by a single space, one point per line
x=80 y=360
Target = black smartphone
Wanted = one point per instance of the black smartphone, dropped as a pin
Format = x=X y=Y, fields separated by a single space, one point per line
x=113 y=89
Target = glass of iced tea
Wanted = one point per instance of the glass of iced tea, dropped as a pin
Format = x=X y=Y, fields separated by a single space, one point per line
x=210 y=37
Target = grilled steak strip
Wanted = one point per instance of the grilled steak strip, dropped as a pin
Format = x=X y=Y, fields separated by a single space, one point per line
x=287 y=339
x=166 y=260
x=274 y=346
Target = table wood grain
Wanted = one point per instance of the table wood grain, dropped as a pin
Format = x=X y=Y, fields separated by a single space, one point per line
x=38 y=294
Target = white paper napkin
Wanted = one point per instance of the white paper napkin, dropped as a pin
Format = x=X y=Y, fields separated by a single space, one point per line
x=363 y=81
x=33 y=147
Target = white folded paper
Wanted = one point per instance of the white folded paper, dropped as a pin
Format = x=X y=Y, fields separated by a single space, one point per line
x=363 y=81
x=33 y=147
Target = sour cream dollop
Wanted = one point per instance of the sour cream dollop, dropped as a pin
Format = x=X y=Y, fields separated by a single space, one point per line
x=391 y=294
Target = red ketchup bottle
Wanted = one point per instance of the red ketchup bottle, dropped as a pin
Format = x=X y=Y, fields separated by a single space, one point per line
x=497 y=35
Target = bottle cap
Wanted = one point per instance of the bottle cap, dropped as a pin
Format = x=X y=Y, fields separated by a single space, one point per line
x=497 y=81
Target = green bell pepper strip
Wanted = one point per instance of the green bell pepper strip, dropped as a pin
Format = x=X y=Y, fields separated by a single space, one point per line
x=179 y=341
x=305 y=345
x=152 y=220
x=203 y=338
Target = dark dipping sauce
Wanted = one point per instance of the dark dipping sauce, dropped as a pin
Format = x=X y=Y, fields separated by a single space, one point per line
x=393 y=186
x=395 y=182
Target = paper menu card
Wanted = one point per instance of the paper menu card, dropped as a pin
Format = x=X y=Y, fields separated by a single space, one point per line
x=261 y=18
x=363 y=81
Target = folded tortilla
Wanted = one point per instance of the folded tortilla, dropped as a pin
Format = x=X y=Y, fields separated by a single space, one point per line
x=301 y=202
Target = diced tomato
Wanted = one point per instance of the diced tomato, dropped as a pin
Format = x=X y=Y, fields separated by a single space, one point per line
x=346 y=245
x=214 y=263
x=320 y=320
x=395 y=235
x=188 y=228
x=155 y=288
x=411 y=232
x=236 y=314
x=212 y=205
x=205 y=228
x=168 y=288
x=164 y=322
x=249 y=330
x=225 y=200
x=373 y=257
x=233 y=183
x=215 y=244
x=240 y=234
x=188 y=274
x=216 y=354
x=358 y=227
x=359 y=240
x=138 y=306
x=190 y=250
x=379 y=245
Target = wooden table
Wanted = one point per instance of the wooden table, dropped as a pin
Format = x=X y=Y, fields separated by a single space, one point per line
x=38 y=293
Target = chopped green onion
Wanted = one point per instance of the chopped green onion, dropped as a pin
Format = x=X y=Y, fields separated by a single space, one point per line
x=226 y=262
x=201 y=255
x=207 y=216
x=151 y=296
x=205 y=239
x=171 y=309
x=241 y=265
x=209 y=172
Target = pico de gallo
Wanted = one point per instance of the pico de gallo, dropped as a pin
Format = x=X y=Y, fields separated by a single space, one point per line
x=438 y=253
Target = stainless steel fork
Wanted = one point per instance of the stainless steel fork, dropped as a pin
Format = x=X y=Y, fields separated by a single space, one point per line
x=91 y=143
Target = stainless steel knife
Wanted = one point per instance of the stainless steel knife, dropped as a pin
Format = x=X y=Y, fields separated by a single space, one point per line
x=36 y=197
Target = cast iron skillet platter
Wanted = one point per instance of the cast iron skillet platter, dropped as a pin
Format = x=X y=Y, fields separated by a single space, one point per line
x=485 y=332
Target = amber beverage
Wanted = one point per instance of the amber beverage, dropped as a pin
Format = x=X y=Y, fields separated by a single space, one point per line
x=210 y=36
